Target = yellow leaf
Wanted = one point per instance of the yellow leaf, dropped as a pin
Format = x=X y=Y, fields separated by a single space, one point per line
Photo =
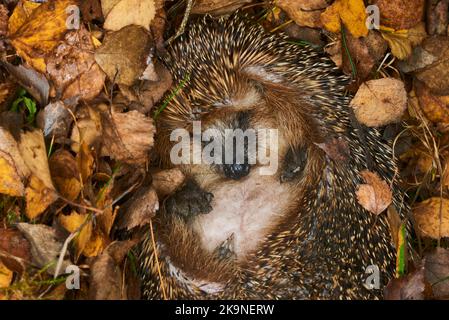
x=38 y=197
x=10 y=182
x=351 y=12
x=21 y=13
x=401 y=42
x=71 y=223
x=13 y=170
x=95 y=246
x=5 y=276
x=40 y=33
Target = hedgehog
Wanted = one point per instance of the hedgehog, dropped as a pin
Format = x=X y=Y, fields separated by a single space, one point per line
x=231 y=232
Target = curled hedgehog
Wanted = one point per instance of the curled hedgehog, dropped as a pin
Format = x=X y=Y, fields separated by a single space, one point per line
x=231 y=232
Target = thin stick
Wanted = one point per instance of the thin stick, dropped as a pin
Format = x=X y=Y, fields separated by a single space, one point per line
x=157 y=261
x=183 y=23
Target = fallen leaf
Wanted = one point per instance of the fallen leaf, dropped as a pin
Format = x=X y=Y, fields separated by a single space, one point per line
x=126 y=136
x=13 y=170
x=40 y=192
x=130 y=12
x=123 y=55
x=34 y=82
x=72 y=223
x=15 y=250
x=436 y=75
x=365 y=53
x=380 y=102
x=351 y=12
x=411 y=287
x=437 y=17
x=217 y=7
x=428 y=222
x=5 y=276
x=40 y=33
x=85 y=162
x=91 y=10
x=400 y=14
x=65 y=174
x=139 y=210
x=45 y=246
x=304 y=12
x=55 y=120
x=435 y=108
x=437 y=272
x=375 y=195
x=72 y=67
x=401 y=42
x=106 y=277
x=87 y=130
x=21 y=14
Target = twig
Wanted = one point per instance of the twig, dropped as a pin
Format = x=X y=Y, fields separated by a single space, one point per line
x=157 y=261
x=183 y=23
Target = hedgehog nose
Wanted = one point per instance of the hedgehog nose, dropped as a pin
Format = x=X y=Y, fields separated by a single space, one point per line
x=236 y=171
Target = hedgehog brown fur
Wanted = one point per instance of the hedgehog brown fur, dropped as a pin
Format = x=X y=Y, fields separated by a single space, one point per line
x=319 y=244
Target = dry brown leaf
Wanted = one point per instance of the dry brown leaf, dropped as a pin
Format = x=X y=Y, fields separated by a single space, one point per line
x=139 y=209
x=130 y=12
x=65 y=174
x=304 y=12
x=217 y=7
x=40 y=33
x=437 y=17
x=434 y=107
x=106 y=277
x=375 y=195
x=72 y=67
x=413 y=286
x=437 y=272
x=436 y=75
x=427 y=218
x=380 y=102
x=400 y=14
x=123 y=55
x=3 y=20
x=72 y=223
x=351 y=12
x=13 y=170
x=90 y=129
x=126 y=136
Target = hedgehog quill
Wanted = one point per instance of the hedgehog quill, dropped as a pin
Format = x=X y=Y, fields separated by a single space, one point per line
x=232 y=233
